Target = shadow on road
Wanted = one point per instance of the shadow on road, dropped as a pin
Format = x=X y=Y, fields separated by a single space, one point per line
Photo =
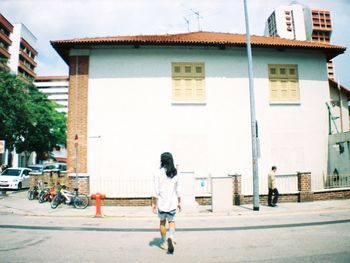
x=155 y=242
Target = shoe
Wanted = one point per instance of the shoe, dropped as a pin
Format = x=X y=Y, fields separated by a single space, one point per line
x=164 y=245
x=170 y=246
x=272 y=205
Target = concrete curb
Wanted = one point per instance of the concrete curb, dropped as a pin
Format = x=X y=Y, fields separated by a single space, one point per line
x=16 y=203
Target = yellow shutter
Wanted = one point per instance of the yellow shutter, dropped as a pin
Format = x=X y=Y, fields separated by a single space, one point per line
x=283 y=83
x=294 y=90
x=284 y=91
x=274 y=93
x=188 y=82
x=177 y=90
x=189 y=89
x=199 y=90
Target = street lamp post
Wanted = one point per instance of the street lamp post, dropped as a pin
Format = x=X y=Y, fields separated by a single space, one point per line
x=254 y=125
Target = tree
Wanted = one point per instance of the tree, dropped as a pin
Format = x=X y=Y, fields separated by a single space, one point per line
x=12 y=110
x=28 y=119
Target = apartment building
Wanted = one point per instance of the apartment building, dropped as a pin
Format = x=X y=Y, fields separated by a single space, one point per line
x=17 y=48
x=321 y=25
x=56 y=88
x=6 y=28
x=299 y=22
x=322 y=31
x=288 y=22
x=23 y=52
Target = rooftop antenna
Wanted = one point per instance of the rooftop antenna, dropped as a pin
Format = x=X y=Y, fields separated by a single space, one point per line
x=198 y=16
x=188 y=24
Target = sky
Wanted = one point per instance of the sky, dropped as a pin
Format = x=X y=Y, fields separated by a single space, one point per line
x=64 y=19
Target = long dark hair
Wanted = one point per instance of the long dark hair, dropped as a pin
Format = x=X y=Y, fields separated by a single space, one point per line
x=167 y=162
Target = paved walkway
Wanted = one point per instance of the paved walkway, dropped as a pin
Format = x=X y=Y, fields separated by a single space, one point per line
x=16 y=203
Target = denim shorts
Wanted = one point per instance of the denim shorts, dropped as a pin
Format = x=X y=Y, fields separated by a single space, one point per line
x=169 y=216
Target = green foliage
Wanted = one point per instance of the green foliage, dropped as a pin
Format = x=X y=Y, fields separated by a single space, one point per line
x=28 y=119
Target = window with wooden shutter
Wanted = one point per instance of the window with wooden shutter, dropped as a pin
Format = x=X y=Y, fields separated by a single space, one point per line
x=284 y=84
x=188 y=82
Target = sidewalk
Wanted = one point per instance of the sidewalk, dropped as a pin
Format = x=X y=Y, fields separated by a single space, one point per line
x=16 y=203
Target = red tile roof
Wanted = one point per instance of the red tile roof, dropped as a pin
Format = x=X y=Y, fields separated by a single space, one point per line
x=195 y=39
x=335 y=84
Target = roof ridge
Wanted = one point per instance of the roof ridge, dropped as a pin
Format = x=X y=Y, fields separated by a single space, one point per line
x=197 y=38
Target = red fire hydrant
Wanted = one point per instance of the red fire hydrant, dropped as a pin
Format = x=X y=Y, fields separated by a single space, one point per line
x=98 y=197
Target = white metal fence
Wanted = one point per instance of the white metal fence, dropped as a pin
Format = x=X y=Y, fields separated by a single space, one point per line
x=143 y=187
x=122 y=187
x=337 y=181
x=287 y=183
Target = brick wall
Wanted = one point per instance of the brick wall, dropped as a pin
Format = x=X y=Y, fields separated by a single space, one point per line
x=238 y=198
x=304 y=187
x=203 y=200
x=53 y=179
x=83 y=184
x=49 y=179
x=124 y=201
x=332 y=194
x=304 y=181
x=283 y=198
x=77 y=112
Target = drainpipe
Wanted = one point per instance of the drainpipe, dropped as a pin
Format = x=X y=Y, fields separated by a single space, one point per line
x=340 y=107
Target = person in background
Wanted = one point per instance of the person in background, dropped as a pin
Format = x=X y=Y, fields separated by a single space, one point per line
x=273 y=191
x=166 y=199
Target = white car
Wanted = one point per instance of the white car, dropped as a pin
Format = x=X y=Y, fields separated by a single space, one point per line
x=14 y=178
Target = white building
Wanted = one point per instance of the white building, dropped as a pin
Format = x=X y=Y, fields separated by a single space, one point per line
x=56 y=88
x=23 y=52
x=289 y=21
x=132 y=98
x=299 y=22
x=18 y=54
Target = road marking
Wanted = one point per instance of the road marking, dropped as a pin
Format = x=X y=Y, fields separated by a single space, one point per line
x=198 y=229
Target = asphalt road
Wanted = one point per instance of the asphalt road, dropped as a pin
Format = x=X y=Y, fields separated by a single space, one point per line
x=309 y=232
x=87 y=241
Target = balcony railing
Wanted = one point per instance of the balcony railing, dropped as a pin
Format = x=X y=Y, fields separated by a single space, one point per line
x=5 y=38
x=28 y=58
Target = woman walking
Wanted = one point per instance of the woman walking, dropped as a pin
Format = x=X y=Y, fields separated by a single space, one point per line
x=166 y=199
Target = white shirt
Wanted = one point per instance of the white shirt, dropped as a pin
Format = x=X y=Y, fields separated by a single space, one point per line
x=167 y=190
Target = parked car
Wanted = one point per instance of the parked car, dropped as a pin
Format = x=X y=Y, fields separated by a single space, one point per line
x=55 y=167
x=14 y=178
x=61 y=166
x=36 y=169
x=39 y=169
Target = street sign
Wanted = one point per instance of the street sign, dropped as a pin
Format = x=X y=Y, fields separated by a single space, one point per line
x=2 y=147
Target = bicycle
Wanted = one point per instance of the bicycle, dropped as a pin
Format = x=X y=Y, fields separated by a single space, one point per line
x=47 y=195
x=33 y=193
x=79 y=201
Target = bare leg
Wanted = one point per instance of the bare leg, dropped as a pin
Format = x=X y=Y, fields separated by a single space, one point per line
x=172 y=229
x=162 y=229
x=171 y=237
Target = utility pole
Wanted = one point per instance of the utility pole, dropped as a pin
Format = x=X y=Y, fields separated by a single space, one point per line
x=254 y=125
